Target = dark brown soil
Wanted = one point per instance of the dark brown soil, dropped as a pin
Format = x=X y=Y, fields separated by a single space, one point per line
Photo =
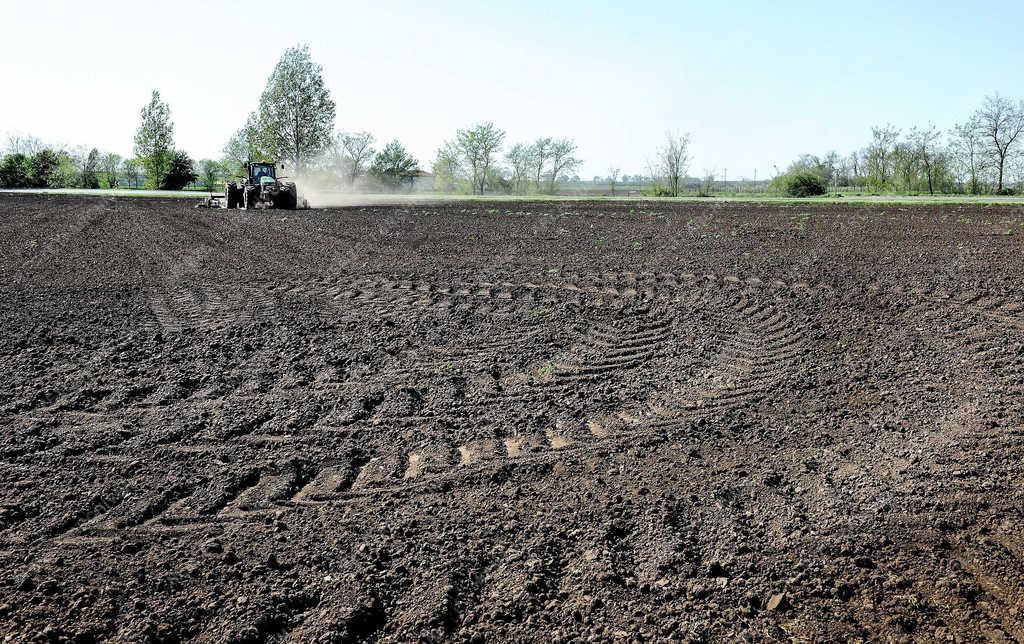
x=510 y=422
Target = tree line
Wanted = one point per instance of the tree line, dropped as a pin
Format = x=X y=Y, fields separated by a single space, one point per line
x=294 y=122
x=982 y=155
x=28 y=163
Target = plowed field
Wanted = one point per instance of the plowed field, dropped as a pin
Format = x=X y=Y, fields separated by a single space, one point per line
x=622 y=421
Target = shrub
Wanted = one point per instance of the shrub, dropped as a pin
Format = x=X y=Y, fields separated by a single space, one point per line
x=1006 y=192
x=659 y=190
x=803 y=184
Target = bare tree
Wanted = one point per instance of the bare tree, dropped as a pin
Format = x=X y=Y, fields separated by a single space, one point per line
x=965 y=146
x=854 y=166
x=613 y=178
x=23 y=144
x=540 y=152
x=478 y=146
x=358 y=153
x=1001 y=124
x=924 y=142
x=905 y=164
x=708 y=183
x=563 y=159
x=672 y=161
x=520 y=161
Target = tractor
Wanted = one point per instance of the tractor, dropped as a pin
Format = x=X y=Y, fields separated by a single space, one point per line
x=261 y=188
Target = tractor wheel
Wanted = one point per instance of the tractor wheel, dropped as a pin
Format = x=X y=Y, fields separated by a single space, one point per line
x=231 y=196
x=250 y=197
x=292 y=199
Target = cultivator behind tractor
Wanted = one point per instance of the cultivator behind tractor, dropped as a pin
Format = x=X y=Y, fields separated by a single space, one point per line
x=261 y=188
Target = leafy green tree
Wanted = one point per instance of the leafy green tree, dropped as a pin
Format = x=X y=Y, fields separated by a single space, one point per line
x=87 y=164
x=394 y=166
x=881 y=157
x=210 y=173
x=154 y=141
x=244 y=146
x=448 y=171
x=296 y=111
x=520 y=160
x=354 y=151
x=110 y=166
x=66 y=175
x=45 y=164
x=130 y=170
x=478 y=147
x=16 y=171
x=180 y=172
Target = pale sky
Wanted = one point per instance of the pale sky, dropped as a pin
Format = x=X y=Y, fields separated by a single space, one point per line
x=754 y=83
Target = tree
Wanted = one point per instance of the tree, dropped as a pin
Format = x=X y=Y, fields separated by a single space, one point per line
x=180 y=172
x=613 y=178
x=154 y=141
x=87 y=162
x=23 y=144
x=130 y=169
x=707 y=184
x=540 y=152
x=15 y=171
x=879 y=157
x=1001 y=124
x=45 y=164
x=672 y=161
x=245 y=146
x=447 y=167
x=965 y=145
x=478 y=146
x=296 y=112
x=110 y=165
x=924 y=142
x=520 y=161
x=357 y=153
x=394 y=166
x=905 y=164
x=563 y=159
x=66 y=175
x=210 y=172
x=853 y=168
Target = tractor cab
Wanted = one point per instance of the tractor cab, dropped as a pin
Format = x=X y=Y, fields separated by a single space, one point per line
x=257 y=172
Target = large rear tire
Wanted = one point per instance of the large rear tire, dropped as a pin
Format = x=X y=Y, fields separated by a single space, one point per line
x=231 y=196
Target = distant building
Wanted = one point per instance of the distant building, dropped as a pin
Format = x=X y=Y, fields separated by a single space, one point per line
x=422 y=181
